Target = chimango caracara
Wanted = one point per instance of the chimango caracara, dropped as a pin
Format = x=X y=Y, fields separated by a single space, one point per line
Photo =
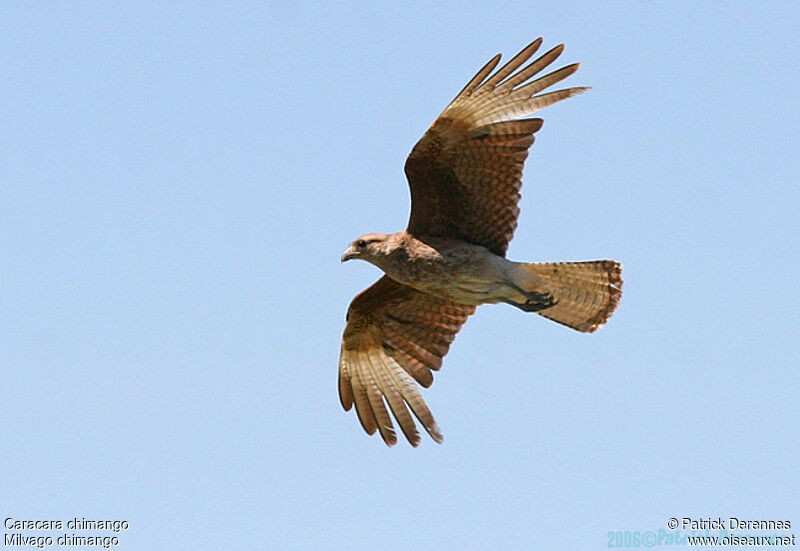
x=464 y=176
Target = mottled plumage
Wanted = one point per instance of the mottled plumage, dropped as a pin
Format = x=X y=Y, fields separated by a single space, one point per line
x=465 y=176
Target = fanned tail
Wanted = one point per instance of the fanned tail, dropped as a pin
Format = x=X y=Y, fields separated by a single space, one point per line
x=585 y=293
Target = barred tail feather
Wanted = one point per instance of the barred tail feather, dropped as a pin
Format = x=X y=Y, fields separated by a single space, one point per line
x=586 y=293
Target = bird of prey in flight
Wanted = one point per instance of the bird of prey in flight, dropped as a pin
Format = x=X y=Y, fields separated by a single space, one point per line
x=465 y=176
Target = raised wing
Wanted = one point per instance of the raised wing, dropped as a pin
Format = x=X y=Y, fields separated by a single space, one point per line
x=465 y=173
x=395 y=335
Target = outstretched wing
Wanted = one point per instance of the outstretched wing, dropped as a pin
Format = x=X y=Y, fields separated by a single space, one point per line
x=395 y=335
x=465 y=173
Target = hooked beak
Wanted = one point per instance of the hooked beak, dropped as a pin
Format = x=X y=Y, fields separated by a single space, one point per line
x=349 y=254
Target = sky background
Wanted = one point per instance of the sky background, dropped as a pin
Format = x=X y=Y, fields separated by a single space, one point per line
x=179 y=180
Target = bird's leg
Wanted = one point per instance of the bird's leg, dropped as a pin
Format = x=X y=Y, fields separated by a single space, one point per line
x=535 y=301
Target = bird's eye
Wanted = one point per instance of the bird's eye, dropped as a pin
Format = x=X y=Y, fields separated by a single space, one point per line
x=361 y=244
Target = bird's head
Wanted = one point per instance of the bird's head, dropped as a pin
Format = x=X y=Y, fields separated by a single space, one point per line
x=367 y=247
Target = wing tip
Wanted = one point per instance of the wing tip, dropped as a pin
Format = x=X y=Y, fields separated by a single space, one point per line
x=559 y=48
x=533 y=46
x=435 y=432
x=388 y=435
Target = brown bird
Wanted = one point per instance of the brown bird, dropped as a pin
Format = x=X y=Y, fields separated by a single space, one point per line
x=464 y=176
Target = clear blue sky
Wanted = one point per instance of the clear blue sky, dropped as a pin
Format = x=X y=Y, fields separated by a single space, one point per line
x=178 y=182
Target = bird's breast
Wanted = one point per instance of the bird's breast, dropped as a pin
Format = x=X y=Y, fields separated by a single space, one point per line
x=457 y=271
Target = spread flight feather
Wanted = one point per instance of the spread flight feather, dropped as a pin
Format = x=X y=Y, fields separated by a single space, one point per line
x=464 y=176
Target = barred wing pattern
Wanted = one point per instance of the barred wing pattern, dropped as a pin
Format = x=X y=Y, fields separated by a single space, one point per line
x=394 y=336
x=465 y=173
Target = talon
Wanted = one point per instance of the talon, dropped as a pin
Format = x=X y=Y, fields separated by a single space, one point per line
x=538 y=301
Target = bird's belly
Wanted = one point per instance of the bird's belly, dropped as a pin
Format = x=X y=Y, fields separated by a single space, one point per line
x=471 y=292
x=461 y=288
